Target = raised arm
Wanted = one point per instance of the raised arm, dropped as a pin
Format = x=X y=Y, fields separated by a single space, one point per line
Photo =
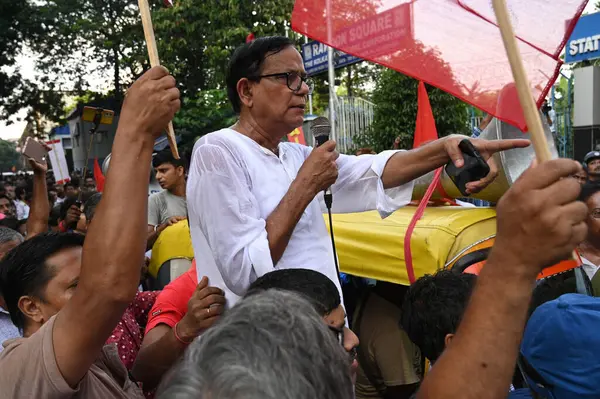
x=539 y=223
x=40 y=206
x=115 y=243
x=406 y=166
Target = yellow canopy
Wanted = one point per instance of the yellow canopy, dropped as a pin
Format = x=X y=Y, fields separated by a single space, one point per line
x=372 y=247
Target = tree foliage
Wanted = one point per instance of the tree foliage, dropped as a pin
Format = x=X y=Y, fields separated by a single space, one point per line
x=395 y=97
x=207 y=111
x=9 y=156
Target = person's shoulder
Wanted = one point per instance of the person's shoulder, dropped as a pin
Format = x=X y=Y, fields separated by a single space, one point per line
x=219 y=137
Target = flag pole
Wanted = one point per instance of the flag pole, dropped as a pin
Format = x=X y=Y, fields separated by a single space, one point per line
x=532 y=116
x=331 y=72
x=530 y=111
x=154 y=61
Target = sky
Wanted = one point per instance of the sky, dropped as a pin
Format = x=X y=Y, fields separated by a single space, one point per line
x=26 y=63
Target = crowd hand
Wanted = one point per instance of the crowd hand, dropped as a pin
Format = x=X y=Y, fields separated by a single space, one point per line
x=487 y=148
x=319 y=171
x=151 y=102
x=540 y=221
x=73 y=215
x=204 y=308
x=170 y=222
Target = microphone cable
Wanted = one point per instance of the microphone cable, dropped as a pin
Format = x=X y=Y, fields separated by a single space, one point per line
x=328 y=197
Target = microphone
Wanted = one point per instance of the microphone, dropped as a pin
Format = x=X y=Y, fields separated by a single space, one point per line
x=320 y=128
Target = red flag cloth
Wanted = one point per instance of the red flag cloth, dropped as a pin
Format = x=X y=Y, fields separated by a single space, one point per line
x=297 y=136
x=454 y=45
x=425 y=130
x=250 y=37
x=98 y=176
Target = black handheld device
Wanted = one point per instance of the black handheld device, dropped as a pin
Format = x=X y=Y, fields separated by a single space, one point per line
x=474 y=168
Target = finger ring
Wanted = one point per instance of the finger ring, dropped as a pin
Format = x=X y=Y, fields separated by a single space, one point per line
x=208 y=310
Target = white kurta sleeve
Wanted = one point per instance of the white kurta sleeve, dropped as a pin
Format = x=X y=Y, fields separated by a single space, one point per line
x=359 y=187
x=220 y=200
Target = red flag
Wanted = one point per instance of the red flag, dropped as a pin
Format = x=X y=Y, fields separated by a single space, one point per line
x=425 y=130
x=297 y=136
x=453 y=45
x=250 y=37
x=98 y=176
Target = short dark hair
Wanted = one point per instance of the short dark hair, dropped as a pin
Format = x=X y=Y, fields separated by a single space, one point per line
x=316 y=287
x=247 y=60
x=433 y=308
x=71 y=183
x=20 y=192
x=89 y=208
x=24 y=270
x=4 y=196
x=11 y=222
x=166 y=156
x=588 y=189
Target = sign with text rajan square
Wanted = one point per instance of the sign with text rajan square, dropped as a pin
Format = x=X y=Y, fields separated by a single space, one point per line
x=455 y=46
x=584 y=43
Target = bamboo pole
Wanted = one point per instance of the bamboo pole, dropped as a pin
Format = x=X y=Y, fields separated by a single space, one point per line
x=532 y=115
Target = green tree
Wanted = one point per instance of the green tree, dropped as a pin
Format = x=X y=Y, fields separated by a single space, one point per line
x=76 y=34
x=203 y=113
x=196 y=39
x=395 y=99
x=18 y=25
x=9 y=156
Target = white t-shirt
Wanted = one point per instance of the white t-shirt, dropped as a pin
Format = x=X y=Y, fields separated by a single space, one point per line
x=588 y=267
x=234 y=184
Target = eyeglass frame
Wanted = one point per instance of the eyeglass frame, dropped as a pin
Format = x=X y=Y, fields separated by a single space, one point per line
x=303 y=79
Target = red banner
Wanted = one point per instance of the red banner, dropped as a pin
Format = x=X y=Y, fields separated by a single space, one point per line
x=453 y=45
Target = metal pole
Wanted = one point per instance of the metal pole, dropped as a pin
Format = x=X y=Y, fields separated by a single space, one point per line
x=331 y=72
x=310 y=105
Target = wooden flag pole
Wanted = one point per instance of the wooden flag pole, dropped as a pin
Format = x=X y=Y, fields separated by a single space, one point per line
x=154 y=61
x=532 y=115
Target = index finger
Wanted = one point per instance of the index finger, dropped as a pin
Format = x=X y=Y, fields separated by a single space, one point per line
x=503 y=145
x=549 y=172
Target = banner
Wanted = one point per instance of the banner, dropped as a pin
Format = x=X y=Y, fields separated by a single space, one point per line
x=453 y=45
x=58 y=162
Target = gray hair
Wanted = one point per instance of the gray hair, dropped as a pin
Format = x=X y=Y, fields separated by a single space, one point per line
x=8 y=235
x=272 y=345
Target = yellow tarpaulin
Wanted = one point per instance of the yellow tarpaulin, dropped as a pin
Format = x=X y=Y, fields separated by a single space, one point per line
x=372 y=247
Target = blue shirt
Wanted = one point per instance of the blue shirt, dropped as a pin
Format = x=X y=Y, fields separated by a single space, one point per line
x=7 y=329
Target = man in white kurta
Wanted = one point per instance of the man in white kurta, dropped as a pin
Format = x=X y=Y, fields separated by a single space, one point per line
x=254 y=202
x=233 y=186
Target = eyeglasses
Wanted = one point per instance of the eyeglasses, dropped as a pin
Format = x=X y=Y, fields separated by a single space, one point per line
x=293 y=80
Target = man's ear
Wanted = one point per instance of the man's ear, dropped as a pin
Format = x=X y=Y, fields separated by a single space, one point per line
x=180 y=171
x=30 y=307
x=448 y=339
x=244 y=89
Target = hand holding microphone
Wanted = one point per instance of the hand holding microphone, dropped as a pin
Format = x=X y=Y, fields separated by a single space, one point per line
x=320 y=169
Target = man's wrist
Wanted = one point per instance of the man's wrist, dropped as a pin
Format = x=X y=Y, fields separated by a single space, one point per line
x=184 y=331
x=507 y=265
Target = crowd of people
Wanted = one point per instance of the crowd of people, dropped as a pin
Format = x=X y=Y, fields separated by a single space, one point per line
x=261 y=311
